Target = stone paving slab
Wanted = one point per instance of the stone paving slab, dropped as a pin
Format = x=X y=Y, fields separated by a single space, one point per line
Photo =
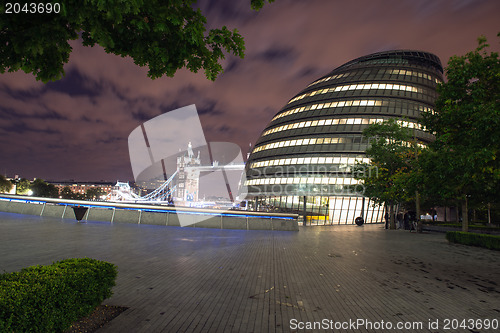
x=210 y=280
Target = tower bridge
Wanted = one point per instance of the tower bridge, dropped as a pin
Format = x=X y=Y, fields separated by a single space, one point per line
x=183 y=186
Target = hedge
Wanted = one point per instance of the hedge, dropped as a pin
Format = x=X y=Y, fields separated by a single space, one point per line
x=458 y=225
x=50 y=298
x=491 y=242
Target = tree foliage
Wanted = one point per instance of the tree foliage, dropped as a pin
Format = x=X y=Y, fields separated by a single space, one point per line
x=463 y=162
x=67 y=193
x=163 y=35
x=387 y=178
x=23 y=186
x=94 y=193
x=41 y=188
x=258 y=4
x=5 y=185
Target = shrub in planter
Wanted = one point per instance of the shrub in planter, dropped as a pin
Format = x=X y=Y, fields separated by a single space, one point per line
x=491 y=242
x=50 y=298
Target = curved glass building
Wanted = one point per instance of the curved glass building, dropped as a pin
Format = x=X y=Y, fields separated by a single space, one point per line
x=302 y=160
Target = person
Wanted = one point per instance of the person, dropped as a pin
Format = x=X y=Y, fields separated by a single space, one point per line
x=399 y=218
x=386 y=220
x=406 y=219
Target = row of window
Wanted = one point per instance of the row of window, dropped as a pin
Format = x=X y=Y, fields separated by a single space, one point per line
x=415 y=74
x=381 y=86
x=299 y=142
x=428 y=96
x=337 y=121
x=309 y=160
x=319 y=141
x=333 y=77
x=339 y=209
x=348 y=103
x=380 y=72
x=302 y=180
x=384 y=61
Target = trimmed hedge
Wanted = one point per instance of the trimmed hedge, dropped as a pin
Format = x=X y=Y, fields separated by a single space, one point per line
x=491 y=242
x=50 y=298
x=457 y=225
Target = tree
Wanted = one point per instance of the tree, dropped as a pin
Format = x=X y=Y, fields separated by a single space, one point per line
x=163 y=35
x=67 y=193
x=463 y=163
x=41 y=188
x=5 y=185
x=94 y=193
x=387 y=179
x=23 y=186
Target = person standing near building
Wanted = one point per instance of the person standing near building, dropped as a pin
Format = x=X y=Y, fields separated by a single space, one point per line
x=399 y=218
x=406 y=219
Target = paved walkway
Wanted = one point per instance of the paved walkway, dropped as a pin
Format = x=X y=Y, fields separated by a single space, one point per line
x=203 y=280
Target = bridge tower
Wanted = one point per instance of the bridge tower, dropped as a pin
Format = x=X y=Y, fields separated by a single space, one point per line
x=188 y=177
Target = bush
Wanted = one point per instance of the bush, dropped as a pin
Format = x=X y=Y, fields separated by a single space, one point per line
x=50 y=298
x=491 y=242
x=492 y=227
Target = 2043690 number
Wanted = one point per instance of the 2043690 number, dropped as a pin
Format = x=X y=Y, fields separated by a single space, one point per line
x=32 y=8
x=471 y=324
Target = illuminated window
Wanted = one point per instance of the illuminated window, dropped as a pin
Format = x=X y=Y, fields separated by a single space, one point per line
x=336 y=121
x=357 y=87
x=331 y=105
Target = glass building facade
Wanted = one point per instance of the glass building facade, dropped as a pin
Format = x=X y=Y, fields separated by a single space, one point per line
x=303 y=159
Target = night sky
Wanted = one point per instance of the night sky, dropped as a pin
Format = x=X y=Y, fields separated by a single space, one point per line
x=77 y=128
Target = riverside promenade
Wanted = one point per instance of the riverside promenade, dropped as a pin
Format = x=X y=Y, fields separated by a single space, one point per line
x=176 y=279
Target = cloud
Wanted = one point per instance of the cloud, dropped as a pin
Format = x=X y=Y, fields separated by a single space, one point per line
x=20 y=81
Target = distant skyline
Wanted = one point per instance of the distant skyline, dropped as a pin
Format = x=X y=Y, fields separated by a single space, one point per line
x=77 y=128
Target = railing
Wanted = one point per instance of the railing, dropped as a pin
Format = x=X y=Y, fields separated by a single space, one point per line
x=149 y=213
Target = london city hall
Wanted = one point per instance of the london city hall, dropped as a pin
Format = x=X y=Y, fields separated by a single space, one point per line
x=303 y=159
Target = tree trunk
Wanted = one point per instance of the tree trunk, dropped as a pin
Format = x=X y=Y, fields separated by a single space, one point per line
x=392 y=224
x=465 y=215
x=489 y=213
x=457 y=213
x=417 y=205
